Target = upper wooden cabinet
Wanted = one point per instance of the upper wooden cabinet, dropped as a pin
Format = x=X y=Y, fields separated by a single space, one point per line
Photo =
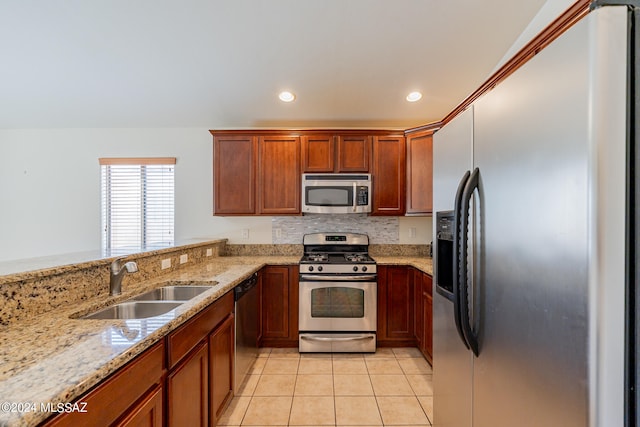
x=318 y=153
x=234 y=176
x=420 y=173
x=256 y=174
x=259 y=172
x=354 y=152
x=389 y=175
x=279 y=175
x=327 y=153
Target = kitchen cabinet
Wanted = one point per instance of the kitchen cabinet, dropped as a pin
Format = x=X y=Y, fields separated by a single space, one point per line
x=200 y=360
x=234 y=182
x=419 y=154
x=423 y=309
x=279 y=306
x=418 y=307
x=354 y=152
x=389 y=175
x=318 y=153
x=148 y=413
x=221 y=363
x=327 y=153
x=132 y=396
x=395 y=306
x=256 y=174
x=279 y=175
x=187 y=390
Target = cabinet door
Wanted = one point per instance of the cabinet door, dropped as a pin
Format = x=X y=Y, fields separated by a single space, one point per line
x=221 y=353
x=147 y=413
x=395 y=305
x=187 y=390
x=275 y=302
x=428 y=327
x=427 y=293
x=317 y=153
x=418 y=308
x=388 y=175
x=354 y=152
x=420 y=173
x=279 y=305
x=234 y=181
x=279 y=175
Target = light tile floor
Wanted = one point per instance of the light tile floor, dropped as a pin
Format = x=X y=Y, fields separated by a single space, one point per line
x=392 y=387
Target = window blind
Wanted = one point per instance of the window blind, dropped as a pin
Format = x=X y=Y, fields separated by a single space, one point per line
x=137 y=204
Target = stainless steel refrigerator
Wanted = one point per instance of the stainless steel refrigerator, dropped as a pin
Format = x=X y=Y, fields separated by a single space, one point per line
x=534 y=240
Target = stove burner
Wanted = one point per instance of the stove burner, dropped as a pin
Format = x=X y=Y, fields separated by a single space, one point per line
x=318 y=257
x=356 y=257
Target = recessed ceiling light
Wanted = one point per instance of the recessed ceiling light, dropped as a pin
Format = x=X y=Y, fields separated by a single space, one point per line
x=286 y=96
x=414 y=96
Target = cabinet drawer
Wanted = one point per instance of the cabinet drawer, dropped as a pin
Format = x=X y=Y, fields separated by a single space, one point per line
x=184 y=339
x=114 y=397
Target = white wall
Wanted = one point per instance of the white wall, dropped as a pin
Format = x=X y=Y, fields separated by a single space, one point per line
x=50 y=188
x=547 y=14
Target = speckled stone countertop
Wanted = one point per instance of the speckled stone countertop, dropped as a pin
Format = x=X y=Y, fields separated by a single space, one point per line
x=55 y=357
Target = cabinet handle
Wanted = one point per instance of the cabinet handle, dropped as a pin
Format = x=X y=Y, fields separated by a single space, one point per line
x=357 y=338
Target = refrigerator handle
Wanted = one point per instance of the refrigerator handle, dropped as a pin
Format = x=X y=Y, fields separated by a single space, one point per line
x=457 y=217
x=467 y=330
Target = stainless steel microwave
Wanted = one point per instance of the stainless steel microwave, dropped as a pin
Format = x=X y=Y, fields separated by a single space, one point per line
x=336 y=193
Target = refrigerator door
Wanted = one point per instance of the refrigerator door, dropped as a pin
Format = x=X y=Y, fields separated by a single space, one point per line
x=533 y=146
x=452 y=361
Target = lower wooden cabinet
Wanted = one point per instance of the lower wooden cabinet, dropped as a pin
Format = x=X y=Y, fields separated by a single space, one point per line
x=221 y=363
x=200 y=355
x=147 y=413
x=188 y=390
x=128 y=397
x=423 y=306
x=279 y=306
x=395 y=306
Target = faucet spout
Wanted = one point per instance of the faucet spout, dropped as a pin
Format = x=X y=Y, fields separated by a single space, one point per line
x=117 y=273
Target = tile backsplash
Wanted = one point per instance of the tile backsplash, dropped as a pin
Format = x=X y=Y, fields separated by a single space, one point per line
x=290 y=229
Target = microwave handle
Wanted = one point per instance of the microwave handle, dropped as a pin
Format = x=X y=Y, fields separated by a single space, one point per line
x=355 y=196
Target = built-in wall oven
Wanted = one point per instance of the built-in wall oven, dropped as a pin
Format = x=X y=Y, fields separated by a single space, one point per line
x=338 y=294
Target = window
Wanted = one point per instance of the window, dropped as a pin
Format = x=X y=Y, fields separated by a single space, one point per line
x=137 y=204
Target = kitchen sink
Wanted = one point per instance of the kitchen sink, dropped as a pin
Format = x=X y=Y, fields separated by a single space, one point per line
x=172 y=293
x=134 y=310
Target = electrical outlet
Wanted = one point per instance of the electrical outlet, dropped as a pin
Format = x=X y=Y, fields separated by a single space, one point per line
x=209 y=251
x=166 y=263
x=184 y=258
x=245 y=233
x=412 y=232
x=278 y=232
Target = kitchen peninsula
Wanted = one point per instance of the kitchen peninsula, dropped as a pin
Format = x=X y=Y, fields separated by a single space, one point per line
x=51 y=356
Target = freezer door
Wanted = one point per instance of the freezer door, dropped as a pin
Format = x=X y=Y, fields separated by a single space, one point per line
x=534 y=148
x=452 y=361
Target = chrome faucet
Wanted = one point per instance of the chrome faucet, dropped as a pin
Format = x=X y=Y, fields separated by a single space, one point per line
x=117 y=274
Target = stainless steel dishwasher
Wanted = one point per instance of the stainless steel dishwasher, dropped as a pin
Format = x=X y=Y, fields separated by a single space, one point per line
x=246 y=296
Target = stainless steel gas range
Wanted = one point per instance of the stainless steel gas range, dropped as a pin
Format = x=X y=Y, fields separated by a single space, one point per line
x=338 y=294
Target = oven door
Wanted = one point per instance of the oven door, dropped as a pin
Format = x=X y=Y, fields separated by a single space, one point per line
x=335 y=306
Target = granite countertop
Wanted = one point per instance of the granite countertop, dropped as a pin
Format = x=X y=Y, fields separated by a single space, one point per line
x=55 y=357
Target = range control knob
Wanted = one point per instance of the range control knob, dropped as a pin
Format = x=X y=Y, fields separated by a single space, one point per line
x=311 y=268
x=320 y=268
x=364 y=268
x=355 y=268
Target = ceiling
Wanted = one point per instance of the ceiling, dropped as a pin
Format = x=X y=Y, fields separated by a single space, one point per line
x=220 y=64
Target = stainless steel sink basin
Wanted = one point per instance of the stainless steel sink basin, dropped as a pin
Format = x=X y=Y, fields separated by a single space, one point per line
x=134 y=310
x=172 y=293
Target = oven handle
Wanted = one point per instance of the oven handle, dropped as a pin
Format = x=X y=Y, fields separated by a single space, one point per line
x=327 y=278
x=358 y=338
